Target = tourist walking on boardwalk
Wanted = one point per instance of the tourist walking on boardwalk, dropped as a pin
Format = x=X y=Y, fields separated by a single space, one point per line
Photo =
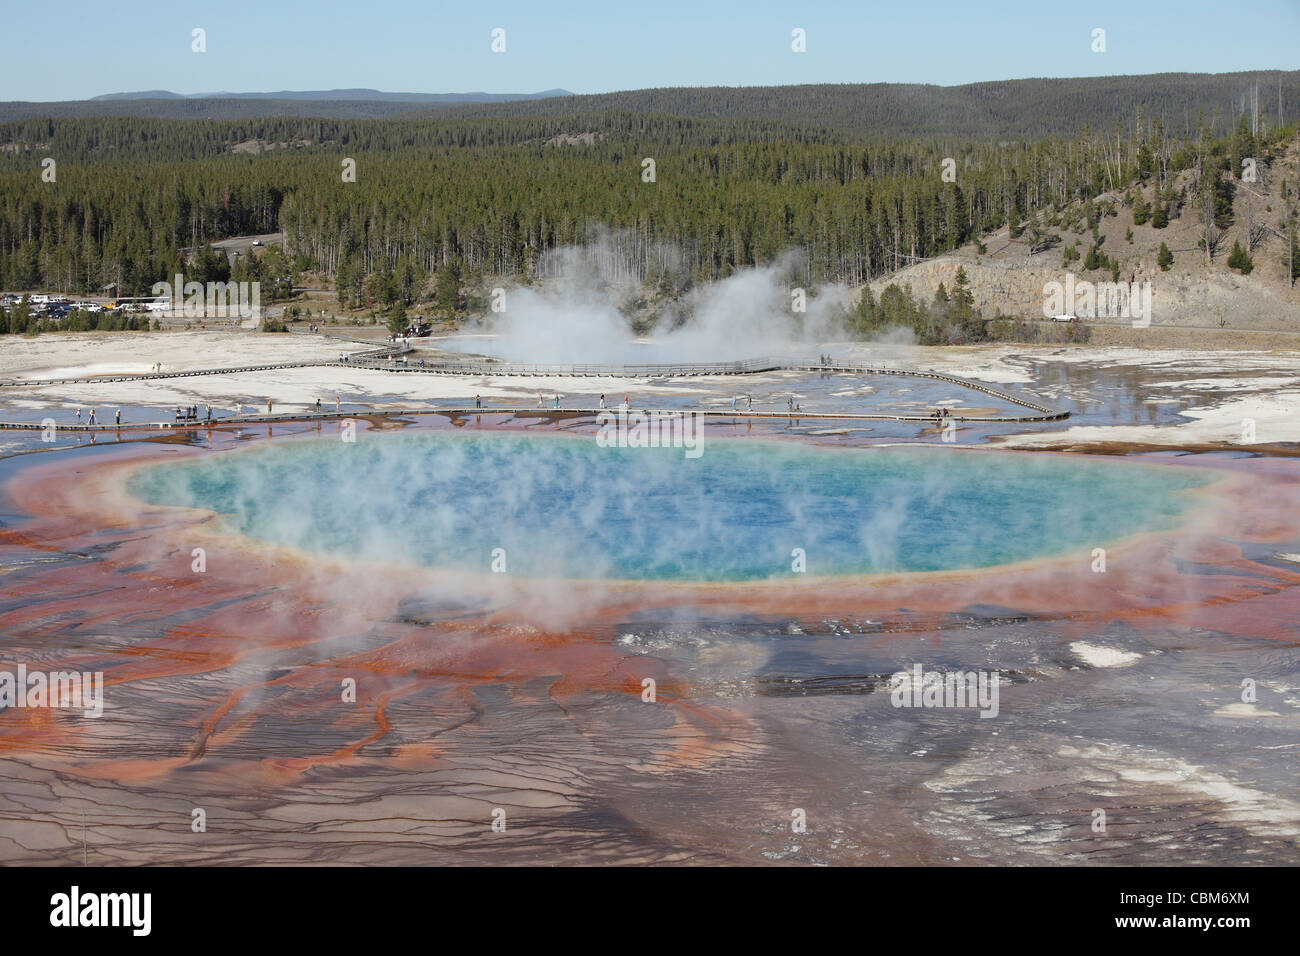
x=733 y=403
x=268 y=406
x=539 y=399
x=92 y=416
x=478 y=401
x=557 y=401
x=602 y=400
x=749 y=402
x=78 y=416
x=117 y=417
x=336 y=404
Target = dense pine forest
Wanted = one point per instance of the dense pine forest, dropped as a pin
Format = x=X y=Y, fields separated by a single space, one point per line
x=673 y=199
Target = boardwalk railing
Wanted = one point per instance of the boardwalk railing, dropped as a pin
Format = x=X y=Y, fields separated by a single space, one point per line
x=386 y=358
x=677 y=370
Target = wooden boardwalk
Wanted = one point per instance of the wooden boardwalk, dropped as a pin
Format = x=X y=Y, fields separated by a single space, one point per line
x=395 y=359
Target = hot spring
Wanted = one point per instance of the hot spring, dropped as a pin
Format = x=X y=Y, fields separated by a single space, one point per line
x=562 y=506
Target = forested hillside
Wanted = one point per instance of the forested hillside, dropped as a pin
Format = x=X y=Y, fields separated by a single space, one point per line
x=494 y=196
x=335 y=104
x=1006 y=109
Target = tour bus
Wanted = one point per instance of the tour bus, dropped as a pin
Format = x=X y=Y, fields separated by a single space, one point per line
x=141 y=304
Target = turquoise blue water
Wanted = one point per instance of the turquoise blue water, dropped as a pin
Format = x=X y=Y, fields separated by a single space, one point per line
x=565 y=506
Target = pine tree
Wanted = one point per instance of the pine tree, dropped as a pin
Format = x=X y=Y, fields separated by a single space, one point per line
x=962 y=302
x=865 y=317
x=1141 y=209
x=397 y=323
x=1240 y=259
x=446 y=288
x=1165 y=259
x=939 y=308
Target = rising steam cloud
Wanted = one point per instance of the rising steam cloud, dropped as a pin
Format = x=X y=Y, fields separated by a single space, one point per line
x=580 y=315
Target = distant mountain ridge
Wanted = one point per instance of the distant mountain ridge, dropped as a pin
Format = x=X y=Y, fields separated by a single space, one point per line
x=365 y=95
x=1003 y=109
x=1007 y=109
x=142 y=95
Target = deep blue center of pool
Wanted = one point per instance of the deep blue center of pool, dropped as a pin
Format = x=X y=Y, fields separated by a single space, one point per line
x=563 y=506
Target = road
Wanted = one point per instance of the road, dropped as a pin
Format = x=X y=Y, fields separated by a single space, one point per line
x=242 y=244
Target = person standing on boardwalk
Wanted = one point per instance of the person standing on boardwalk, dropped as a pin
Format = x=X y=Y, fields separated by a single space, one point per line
x=78 y=416
x=539 y=399
x=602 y=400
x=92 y=416
x=268 y=406
x=117 y=417
x=557 y=401
x=478 y=401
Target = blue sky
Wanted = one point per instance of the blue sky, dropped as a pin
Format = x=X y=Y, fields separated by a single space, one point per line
x=76 y=48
